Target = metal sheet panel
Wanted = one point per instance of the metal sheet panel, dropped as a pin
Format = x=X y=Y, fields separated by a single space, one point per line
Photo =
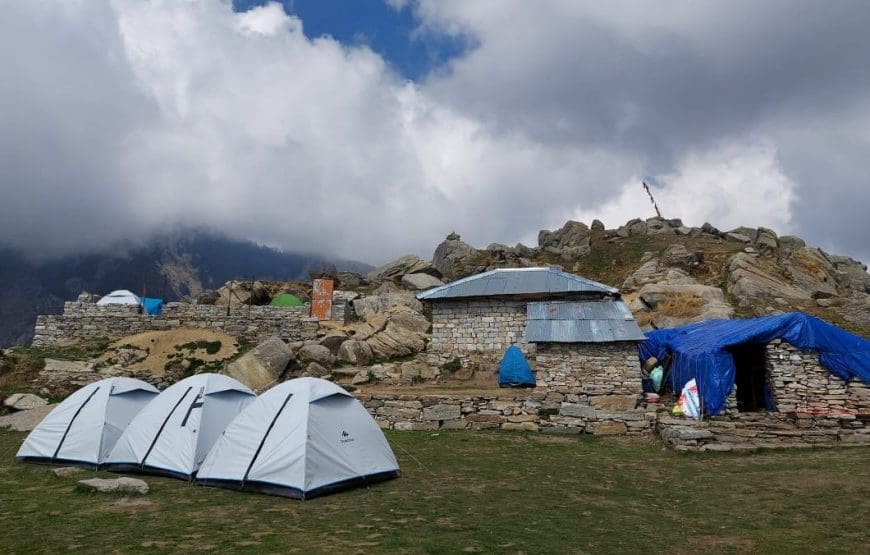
x=581 y=322
x=517 y=281
x=321 y=299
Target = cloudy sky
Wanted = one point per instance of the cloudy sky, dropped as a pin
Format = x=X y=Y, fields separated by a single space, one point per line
x=373 y=128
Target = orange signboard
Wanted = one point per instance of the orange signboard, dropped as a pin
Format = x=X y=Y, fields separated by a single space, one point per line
x=321 y=299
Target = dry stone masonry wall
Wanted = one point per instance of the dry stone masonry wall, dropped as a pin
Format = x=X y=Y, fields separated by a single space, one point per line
x=247 y=323
x=465 y=328
x=813 y=407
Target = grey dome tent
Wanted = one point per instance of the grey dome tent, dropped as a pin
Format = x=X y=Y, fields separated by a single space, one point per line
x=86 y=425
x=301 y=438
x=173 y=434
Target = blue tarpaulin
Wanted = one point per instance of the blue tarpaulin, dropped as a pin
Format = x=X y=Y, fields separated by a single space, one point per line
x=514 y=370
x=700 y=350
x=152 y=307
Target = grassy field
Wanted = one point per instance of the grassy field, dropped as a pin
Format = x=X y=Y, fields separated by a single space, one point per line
x=462 y=491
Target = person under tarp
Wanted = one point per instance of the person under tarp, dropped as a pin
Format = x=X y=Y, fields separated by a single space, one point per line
x=514 y=370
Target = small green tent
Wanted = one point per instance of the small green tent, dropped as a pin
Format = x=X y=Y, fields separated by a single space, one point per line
x=286 y=299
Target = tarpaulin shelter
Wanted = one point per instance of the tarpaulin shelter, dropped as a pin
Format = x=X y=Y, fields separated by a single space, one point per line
x=84 y=428
x=514 y=370
x=174 y=433
x=301 y=438
x=703 y=351
x=152 y=307
x=286 y=299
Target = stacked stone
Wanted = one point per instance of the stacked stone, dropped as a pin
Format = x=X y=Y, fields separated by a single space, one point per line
x=803 y=387
x=524 y=411
x=460 y=328
x=752 y=431
x=248 y=323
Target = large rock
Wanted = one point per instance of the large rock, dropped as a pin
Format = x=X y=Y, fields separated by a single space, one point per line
x=712 y=303
x=408 y=264
x=386 y=298
x=243 y=292
x=116 y=485
x=748 y=279
x=313 y=352
x=455 y=258
x=659 y=226
x=24 y=401
x=263 y=366
x=25 y=420
x=851 y=273
x=333 y=340
x=572 y=234
x=355 y=352
x=766 y=239
x=420 y=282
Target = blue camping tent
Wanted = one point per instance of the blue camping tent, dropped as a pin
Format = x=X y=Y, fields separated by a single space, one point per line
x=152 y=307
x=514 y=371
x=700 y=350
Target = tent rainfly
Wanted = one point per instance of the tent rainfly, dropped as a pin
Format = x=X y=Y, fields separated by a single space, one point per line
x=84 y=428
x=286 y=299
x=302 y=438
x=121 y=296
x=173 y=434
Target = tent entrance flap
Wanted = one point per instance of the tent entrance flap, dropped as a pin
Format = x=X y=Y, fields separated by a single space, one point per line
x=751 y=377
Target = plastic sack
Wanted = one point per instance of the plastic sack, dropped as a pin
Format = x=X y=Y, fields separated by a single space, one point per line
x=657 y=375
x=689 y=402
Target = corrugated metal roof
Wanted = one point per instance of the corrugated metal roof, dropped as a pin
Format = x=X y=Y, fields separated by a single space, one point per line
x=598 y=321
x=517 y=281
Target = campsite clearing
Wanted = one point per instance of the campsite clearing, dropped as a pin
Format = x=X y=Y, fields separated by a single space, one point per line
x=475 y=492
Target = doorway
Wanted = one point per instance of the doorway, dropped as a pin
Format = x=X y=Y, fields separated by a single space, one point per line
x=751 y=377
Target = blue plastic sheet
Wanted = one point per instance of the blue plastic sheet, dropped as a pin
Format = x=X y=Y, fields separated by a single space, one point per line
x=152 y=307
x=514 y=370
x=700 y=351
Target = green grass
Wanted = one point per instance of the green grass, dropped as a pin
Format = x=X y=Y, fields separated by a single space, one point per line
x=492 y=492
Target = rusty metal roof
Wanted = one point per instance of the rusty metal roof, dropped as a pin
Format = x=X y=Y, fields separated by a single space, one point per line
x=593 y=321
x=517 y=281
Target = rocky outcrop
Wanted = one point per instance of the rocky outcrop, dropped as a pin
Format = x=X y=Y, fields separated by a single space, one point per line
x=420 y=282
x=243 y=292
x=263 y=366
x=313 y=352
x=572 y=234
x=455 y=258
x=402 y=266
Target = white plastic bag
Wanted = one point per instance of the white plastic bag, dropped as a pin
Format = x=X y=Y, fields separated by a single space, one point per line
x=689 y=401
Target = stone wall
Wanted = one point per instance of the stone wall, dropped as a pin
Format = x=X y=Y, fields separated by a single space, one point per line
x=478 y=330
x=803 y=387
x=516 y=411
x=812 y=407
x=247 y=323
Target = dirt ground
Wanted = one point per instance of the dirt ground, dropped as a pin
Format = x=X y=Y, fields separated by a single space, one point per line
x=161 y=346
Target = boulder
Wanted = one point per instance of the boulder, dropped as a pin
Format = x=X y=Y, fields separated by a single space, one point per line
x=313 y=352
x=851 y=273
x=408 y=264
x=597 y=225
x=455 y=258
x=788 y=243
x=355 y=352
x=659 y=226
x=678 y=255
x=709 y=229
x=364 y=376
x=315 y=370
x=350 y=281
x=243 y=292
x=333 y=340
x=766 y=239
x=209 y=297
x=737 y=237
x=24 y=401
x=572 y=234
x=263 y=366
x=25 y=420
x=116 y=485
x=420 y=282
x=748 y=280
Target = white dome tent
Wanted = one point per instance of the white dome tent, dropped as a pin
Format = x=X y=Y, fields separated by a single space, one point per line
x=84 y=428
x=302 y=438
x=173 y=434
x=122 y=297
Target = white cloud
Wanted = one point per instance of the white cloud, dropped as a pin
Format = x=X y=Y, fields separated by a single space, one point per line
x=123 y=118
x=733 y=185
